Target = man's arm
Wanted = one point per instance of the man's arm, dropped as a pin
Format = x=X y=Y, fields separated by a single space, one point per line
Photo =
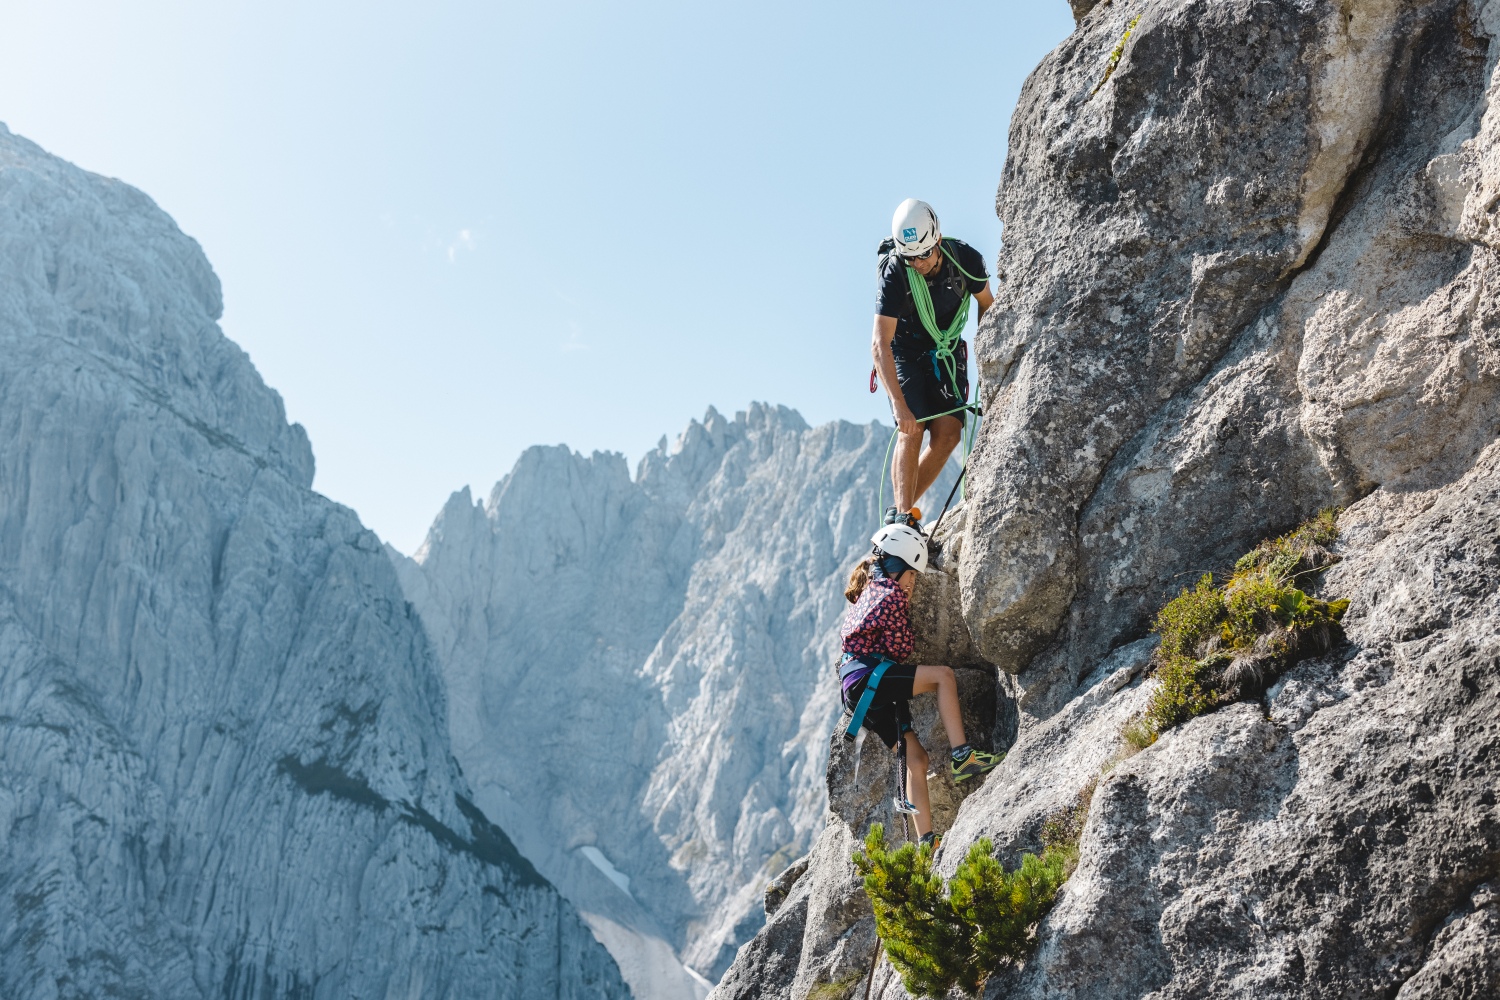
x=885 y=365
x=985 y=298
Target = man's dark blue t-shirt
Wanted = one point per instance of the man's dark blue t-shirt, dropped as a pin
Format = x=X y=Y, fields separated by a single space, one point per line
x=946 y=285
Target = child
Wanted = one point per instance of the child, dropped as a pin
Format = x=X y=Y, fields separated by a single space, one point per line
x=876 y=689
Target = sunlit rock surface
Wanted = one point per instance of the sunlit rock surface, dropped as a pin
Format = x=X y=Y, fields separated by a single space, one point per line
x=224 y=759
x=1250 y=274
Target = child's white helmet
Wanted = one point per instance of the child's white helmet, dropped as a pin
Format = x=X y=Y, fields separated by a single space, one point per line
x=914 y=227
x=905 y=543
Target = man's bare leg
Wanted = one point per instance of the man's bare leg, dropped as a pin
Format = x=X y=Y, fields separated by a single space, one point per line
x=904 y=468
x=945 y=435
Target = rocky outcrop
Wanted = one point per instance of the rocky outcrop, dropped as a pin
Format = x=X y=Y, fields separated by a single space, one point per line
x=1247 y=274
x=1182 y=334
x=1081 y=8
x=226 y=768
x=640 y=669
x=1311 y=846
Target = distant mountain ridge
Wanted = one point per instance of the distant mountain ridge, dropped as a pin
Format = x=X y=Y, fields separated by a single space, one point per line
x=643 y=666
x=224 y=760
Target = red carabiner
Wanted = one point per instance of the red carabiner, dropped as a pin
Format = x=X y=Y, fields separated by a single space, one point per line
x=872 y=379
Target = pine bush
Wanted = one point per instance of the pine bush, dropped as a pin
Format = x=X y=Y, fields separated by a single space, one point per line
x=940 y=936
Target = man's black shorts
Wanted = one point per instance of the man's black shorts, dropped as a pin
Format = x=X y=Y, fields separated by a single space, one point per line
x=928 y=390
x=890 y=709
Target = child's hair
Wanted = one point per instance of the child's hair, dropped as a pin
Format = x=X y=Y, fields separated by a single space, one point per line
x=858 y=579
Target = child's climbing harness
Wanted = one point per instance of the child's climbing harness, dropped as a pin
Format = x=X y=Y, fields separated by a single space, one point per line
x=857 y=719
x=862 y=707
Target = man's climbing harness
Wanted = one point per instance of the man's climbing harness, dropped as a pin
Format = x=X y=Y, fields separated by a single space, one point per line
x=944 y=340
x=944 y=361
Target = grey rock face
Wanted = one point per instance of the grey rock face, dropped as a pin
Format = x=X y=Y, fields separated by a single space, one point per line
x=1248 y=278
x=1144 y=363
x=226 y=770
x=1314 y=852
x=1465 y=955
x=1081 y=8
x=676 y=632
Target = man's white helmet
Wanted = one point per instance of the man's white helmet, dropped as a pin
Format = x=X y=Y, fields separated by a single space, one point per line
x=914 y=227
x=905 y=543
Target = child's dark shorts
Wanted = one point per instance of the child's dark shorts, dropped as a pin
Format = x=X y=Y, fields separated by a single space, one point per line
x=890 y=710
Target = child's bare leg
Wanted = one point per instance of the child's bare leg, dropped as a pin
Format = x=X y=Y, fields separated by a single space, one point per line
x=916 y=783
x=940 y=679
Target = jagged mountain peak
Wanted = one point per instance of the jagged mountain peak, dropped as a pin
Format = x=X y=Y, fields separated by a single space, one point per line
x=98 y=267
x=683 y=622
x=674 y=472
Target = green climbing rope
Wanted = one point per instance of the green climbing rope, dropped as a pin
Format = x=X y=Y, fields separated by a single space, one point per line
x=943 y=340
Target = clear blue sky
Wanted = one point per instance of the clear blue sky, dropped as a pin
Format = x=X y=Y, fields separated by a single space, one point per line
x=447 y=231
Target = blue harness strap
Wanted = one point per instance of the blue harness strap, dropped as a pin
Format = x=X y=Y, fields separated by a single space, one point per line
x=863 y=707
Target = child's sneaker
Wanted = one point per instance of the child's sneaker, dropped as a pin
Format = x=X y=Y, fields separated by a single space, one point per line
x=903 y=806
x=932 y=840
x=972 y=763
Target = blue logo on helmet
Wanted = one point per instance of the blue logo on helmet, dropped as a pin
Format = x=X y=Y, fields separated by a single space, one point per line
x=908 y=235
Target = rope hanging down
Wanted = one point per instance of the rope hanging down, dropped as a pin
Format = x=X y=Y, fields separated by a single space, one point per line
x=944 y=340
x=943 y=358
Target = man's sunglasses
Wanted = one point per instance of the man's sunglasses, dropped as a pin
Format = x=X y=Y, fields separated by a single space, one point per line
x=923 y=256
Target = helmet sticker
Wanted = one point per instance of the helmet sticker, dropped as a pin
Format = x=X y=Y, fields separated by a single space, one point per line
x=908 y=235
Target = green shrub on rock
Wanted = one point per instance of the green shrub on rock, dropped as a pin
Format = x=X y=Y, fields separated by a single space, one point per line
x=843 y=989
x=1002 y=906
x=1184 y=622
x=940 y=936
x=1220 y=644
x=924 y=938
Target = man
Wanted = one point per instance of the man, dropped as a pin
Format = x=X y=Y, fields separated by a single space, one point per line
x=925 y=284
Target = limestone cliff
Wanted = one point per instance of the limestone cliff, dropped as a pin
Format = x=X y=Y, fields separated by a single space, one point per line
x=224 y=759
x=1249 y=271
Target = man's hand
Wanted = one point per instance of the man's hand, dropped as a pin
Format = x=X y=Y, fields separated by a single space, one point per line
x=885 y=367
